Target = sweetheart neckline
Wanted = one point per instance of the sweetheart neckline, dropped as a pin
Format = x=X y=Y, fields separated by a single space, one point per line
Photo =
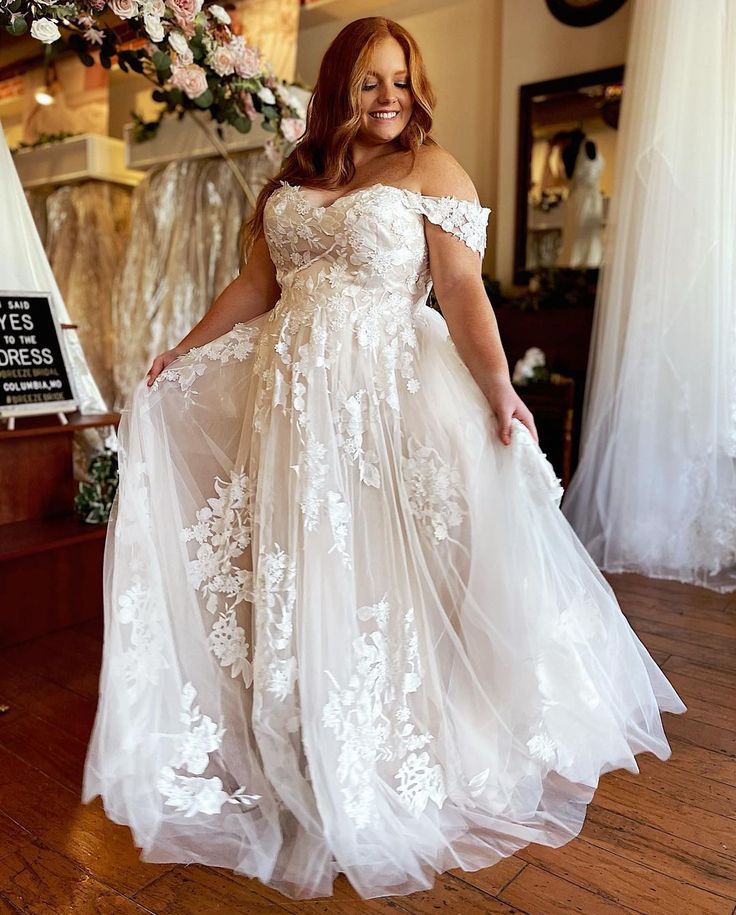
x=381 y=184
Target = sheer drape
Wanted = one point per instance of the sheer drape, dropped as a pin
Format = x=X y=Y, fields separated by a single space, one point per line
x=655 y=491
x=183 y=251
x=24 y=266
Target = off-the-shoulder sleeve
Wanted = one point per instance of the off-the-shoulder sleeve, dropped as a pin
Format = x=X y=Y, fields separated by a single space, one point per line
x=466 y=219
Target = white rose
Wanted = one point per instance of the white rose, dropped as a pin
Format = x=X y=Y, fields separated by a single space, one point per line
x=153 y=27
x=154 y=8
x=220 y=14
x=45 y=30
x=125 y=9
x=221 y=61
x=178 y=43
x=266 y=95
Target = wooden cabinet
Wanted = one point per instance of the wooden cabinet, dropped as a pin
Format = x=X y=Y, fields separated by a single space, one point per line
x=50 y=560
x=563 y=334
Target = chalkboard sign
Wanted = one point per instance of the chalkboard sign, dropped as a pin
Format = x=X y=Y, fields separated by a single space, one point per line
x=33 y=372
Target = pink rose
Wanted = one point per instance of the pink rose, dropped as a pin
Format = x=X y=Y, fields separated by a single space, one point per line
x=248 y=107
x=191 y=79
x=124 y=9
x=292 y=128
x=185 y=12
x=246 y=58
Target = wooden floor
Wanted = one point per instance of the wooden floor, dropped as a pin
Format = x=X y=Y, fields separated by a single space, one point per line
x=663 y=841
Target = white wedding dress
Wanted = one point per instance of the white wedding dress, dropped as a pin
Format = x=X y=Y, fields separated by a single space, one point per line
x=346 y=628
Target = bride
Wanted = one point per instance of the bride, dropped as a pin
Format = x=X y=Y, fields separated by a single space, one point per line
x=347 y=627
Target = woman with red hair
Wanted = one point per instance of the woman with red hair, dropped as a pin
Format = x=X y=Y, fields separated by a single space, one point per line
x=348 y=629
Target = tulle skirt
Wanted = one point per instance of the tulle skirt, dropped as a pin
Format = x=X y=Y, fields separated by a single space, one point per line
x=346 y=628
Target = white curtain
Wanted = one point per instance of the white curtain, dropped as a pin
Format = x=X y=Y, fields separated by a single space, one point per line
x=24 y=266
x=655 y=490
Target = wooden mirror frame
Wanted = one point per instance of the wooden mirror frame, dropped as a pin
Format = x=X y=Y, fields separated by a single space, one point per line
x=524 y=148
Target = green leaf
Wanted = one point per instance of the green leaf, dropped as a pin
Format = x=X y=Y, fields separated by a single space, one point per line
x=204 y=100
x=17 y=26
x=161 y=60
x=242 y=124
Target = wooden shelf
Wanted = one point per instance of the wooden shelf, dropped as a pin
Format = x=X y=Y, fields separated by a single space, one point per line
x=51 y=562
x=22 y=538
x=51 y=424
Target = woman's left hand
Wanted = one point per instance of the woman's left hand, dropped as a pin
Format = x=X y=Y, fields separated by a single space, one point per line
x=506 y=404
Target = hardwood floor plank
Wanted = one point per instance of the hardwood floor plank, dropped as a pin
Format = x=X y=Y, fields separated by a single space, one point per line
x=672 y=782
x=44 y=746
x=701 y=734
x=677 y=857
x=452 y=895
x=82 y=833
x=198 y=890
x=716 y=676
x=538 y=891
x=491 y=879
x=52 y=703
x=624 y=882
x=39 y=880
x=67 y=658
x=672 y=816
x=666 y=592
x=12 y=836
x=690 y=635
x=719 y=658
x=702 y=762
x=714 y=622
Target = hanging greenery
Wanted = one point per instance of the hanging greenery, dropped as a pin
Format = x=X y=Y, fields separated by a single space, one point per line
x=185 y=48
x=95 y=497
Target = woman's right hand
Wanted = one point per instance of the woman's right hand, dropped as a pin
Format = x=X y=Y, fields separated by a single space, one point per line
x=161 y=361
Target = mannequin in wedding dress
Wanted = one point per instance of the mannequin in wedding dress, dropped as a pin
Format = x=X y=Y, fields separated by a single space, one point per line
x=582 y=231
x=347 y=628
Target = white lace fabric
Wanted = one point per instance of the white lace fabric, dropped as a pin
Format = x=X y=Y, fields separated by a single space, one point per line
x=346 y=629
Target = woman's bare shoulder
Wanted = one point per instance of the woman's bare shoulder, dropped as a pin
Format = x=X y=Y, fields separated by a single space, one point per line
x=440 y=174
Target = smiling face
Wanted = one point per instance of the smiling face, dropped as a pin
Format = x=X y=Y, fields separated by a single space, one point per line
x=385 y=97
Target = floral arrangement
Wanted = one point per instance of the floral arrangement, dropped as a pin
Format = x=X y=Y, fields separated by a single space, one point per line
x=186 y=48
x=45 y=138
x=559 y=287
x=531 y=368
x=95 y=496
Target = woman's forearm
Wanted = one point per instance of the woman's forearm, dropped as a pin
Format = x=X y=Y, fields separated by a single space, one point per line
x=232 y=305
x=474 y=331
x=253 y=292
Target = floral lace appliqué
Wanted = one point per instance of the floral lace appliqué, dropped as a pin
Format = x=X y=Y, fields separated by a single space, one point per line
x=434 y=488
x=187 y=791
x=223 y=533
x=372 y=718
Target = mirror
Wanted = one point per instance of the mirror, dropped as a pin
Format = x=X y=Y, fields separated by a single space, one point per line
x=567 y=149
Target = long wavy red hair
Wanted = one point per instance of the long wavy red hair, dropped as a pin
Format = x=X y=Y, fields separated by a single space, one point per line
x=322 y=157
